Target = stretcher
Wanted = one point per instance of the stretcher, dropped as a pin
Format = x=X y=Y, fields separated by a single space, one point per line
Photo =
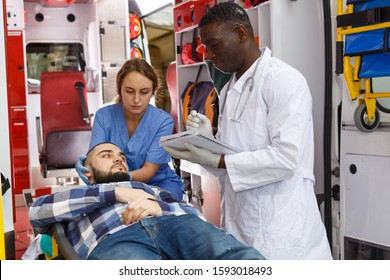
x=54 y=244
x=363 y=53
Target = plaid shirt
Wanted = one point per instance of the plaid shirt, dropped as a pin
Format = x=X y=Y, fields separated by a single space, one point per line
x=92 y=212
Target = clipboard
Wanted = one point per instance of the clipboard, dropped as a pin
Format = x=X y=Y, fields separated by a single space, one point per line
x=176 y=141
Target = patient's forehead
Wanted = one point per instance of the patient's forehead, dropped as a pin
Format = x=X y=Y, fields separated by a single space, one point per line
x=105 y=147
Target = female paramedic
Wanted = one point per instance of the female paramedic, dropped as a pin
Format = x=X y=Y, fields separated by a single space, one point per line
x=135 y=127
x=267 y=195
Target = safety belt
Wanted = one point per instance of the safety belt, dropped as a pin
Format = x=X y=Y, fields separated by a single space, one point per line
x=80 y=88
x=367 y=17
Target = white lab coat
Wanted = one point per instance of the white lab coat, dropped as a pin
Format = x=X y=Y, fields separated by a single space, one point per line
x=267 y=195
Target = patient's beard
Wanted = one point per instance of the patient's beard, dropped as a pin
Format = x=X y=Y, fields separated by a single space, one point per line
x=101 y=177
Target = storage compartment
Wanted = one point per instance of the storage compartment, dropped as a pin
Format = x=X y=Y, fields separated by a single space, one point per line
x=109 y=84
x=111 y=31
x=15 y=69
x=18 y=113
x=19 y=147
x=359 y=250
x=21 y=182
x=367 y=196
x=21 y=165
x=190 y=12
x=19 y=128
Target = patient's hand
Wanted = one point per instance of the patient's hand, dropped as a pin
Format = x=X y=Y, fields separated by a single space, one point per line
x=128 y=195
x=139 y=209
x=141 y=204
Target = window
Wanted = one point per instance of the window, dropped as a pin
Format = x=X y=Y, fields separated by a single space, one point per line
x=52 y=57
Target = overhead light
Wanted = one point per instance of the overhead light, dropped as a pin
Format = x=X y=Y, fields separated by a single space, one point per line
x=56 y=3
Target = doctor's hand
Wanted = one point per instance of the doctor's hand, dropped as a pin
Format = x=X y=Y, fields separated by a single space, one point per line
x=80 y=168
x=199 y=122
x=196 y=155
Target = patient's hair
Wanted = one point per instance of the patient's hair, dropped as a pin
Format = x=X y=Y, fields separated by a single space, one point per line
x=89 y=153
x=141 y=66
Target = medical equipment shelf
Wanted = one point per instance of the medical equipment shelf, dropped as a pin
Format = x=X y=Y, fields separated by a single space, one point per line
x=203 y=186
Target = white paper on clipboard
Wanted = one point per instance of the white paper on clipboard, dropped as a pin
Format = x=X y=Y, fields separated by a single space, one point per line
x=176 y=141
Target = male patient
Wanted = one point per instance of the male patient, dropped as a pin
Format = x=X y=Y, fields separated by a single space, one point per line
x=118 y=219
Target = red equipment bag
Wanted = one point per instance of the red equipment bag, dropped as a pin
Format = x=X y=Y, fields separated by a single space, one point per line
x=135 y=25
x=189 y=53
x=135 y=51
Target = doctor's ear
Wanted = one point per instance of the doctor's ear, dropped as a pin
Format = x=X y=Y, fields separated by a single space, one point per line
x=241 y=31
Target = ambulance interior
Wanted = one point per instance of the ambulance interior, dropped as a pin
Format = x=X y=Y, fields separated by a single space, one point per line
x=95 y=37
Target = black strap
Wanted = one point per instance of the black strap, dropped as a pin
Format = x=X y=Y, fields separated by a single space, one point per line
x=5 y=184
x=180 y=48
x=80 y=88
x=198 y=74
x=362 y=18
x=194 y=44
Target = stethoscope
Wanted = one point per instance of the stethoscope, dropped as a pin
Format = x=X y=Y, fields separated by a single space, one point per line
x=249 y=82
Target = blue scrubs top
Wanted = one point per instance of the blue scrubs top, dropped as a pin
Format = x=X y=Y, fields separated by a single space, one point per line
x=143 y=146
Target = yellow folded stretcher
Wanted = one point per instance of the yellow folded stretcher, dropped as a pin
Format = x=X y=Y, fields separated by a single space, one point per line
x=363 y=53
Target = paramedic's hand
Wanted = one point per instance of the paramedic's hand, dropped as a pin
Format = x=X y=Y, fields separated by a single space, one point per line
x=199 y=122
x=196 y=155
x=80 y=168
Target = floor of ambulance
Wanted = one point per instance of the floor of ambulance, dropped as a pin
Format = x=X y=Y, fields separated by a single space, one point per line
x=23 y=231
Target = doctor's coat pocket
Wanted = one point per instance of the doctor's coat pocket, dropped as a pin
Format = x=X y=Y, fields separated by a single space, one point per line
x=253 y=128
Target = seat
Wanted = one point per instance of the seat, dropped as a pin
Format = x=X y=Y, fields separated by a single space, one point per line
x=363 y=54
x=64 y=128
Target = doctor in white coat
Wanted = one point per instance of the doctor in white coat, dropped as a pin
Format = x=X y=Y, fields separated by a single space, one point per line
x=267 y=195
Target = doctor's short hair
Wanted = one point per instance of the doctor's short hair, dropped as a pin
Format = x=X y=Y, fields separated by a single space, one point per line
x=141 y=66
x=226 y=12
